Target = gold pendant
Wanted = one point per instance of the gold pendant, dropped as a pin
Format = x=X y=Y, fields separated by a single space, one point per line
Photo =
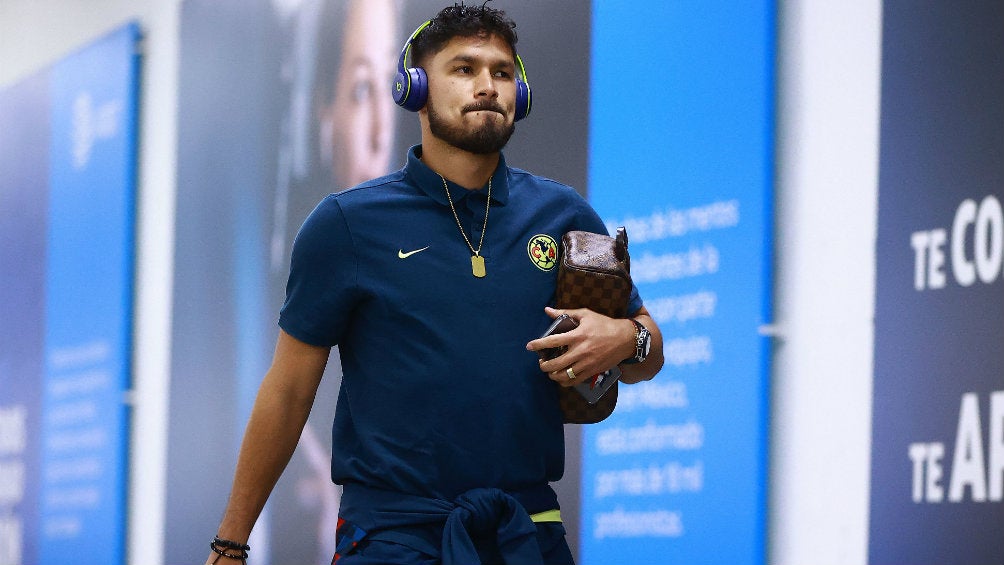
x=478 y=265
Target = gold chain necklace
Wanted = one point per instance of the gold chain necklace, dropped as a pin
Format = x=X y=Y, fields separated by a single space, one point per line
x=477 y=261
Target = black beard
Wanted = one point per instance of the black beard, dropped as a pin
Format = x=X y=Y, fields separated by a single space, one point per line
x=487 y=139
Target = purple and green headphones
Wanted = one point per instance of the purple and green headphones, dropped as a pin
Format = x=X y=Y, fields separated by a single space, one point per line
x=411 y=85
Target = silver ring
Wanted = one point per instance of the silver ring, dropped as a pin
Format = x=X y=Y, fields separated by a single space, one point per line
x=570 y=373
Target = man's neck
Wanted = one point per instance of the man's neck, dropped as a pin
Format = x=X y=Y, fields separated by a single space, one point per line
x=466 y=169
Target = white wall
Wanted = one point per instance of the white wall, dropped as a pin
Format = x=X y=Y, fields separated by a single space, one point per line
x=829 y=58
x=826 y=218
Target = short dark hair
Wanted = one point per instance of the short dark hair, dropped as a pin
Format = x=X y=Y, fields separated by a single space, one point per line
x=460 y=20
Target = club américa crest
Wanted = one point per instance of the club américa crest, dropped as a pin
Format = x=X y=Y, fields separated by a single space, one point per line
x=543 y=251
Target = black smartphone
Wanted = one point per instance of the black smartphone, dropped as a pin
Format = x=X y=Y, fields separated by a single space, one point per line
x=563 y=323
x=592 y=388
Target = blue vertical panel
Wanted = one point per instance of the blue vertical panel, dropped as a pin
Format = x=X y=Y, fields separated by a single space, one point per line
x=681 y=149
x=24 y=170
x=88 y=302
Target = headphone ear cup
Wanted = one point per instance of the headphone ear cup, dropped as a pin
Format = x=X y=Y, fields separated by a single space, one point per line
x=411 y=91
x=523 y=100
x=399 y=89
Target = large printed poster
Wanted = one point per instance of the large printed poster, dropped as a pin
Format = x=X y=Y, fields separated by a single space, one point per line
x=67 y=186
x=681 y=154
x=937 y=478
x=280 y=104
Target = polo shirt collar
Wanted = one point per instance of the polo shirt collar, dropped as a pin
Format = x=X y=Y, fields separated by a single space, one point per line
x=432 y=184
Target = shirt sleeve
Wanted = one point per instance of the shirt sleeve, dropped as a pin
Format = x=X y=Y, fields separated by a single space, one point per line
x=321 y=290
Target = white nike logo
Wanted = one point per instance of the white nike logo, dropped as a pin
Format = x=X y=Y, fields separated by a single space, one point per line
x=402 y=255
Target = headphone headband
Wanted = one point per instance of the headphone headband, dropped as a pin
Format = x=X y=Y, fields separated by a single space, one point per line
x=411 y=85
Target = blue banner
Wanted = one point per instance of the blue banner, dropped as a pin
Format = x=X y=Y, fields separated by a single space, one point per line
x=681 y=153
x=67 y=400
x=89 y=301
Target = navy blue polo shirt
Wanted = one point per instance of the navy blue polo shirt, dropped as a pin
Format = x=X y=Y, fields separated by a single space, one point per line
x=439 y=394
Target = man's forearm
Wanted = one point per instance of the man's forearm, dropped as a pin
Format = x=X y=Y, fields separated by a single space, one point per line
x=269 y=441
x=280 y=411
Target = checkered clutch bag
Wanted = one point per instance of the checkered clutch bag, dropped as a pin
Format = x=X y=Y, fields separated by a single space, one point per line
x=594 y=273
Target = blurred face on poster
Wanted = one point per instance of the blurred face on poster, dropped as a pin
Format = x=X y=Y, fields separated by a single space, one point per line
x=358 y=122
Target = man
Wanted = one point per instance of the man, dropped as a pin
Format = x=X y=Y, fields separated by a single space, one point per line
x=447 y=431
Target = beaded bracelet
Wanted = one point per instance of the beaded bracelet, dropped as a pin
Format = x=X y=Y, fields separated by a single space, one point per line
x=224 y=547
x=228 y=544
